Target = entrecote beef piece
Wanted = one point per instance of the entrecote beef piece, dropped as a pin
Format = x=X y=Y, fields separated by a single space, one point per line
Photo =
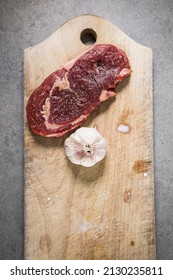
x=69 y=95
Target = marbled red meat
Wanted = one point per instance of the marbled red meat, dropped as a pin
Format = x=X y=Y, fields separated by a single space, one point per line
x=68 y=96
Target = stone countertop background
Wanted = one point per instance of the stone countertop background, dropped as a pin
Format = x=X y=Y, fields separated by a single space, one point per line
x=24 y=23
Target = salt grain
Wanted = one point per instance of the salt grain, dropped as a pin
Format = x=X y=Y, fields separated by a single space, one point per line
x=123 y=128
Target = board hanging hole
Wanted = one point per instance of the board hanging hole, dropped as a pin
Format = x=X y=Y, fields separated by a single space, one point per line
x=88 y=36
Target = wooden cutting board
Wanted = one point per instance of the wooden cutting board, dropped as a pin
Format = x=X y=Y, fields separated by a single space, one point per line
x=103 y=212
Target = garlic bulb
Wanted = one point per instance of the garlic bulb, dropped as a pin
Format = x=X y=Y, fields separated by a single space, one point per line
x=85 y=146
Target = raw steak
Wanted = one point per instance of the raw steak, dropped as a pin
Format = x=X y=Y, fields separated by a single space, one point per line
x=69 y=95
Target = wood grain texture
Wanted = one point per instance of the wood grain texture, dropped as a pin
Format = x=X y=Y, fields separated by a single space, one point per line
x=103 y=212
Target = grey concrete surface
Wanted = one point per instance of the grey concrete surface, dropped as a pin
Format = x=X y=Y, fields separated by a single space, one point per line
x=26 y=23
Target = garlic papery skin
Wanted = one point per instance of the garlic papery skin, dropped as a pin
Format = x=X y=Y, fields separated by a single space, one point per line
x=85 y=146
